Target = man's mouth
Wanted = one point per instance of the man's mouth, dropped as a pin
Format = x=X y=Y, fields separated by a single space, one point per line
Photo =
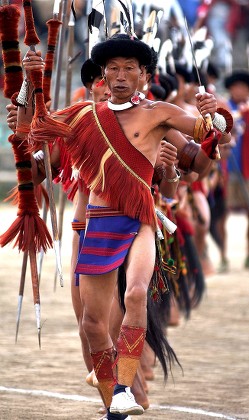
x=120 y=87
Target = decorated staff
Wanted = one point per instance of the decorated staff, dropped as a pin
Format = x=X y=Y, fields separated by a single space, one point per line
x=53 y=25
x=43 y=127
x=70 y=58
x=28 y=230
x=59 y=57
x=208 y=119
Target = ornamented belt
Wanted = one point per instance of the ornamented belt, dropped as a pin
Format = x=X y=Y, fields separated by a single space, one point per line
x=78 y=225
x=103 y=212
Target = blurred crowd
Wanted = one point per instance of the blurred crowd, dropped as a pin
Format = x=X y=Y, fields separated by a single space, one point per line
x=224 y=23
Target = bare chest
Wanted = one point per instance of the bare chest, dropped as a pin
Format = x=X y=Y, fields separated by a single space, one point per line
x=139 y=131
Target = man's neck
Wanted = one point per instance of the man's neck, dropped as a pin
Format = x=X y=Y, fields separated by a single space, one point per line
x=135 y=99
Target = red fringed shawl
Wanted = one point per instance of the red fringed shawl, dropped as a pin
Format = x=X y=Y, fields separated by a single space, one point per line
x=108 y=163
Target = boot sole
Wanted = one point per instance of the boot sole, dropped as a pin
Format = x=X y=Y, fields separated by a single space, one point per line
x=133 y=410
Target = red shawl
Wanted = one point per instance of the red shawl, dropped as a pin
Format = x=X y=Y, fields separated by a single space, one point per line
x=108 y=163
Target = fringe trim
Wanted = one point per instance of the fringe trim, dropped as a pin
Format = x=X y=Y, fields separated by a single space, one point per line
x=102 y=166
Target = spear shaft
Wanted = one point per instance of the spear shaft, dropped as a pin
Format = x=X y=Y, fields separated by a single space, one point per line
x=59 y=59
x=55 y=101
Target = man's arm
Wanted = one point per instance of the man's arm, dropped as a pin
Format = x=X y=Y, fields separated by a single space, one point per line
x=166 y=171
x=190 y=155
x=173 y=116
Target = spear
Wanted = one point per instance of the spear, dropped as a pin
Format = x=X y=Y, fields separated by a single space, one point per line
x=21 y=290
x=10 y=45
x=208 y=118
x=43 y=127
x=28 y=229
x=53 y=29
x=62 y=195
x=59 y=56
x=36 y=293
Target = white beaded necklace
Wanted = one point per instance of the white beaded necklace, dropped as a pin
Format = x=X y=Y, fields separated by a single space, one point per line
x=135 y=100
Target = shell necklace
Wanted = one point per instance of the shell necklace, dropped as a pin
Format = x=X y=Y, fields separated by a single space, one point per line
x=135 y=100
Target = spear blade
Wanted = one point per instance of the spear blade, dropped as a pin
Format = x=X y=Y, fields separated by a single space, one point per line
x=36 y=292
x=52 y=208
x=21 y=290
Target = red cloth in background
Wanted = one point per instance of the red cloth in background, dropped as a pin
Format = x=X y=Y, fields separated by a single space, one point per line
x=245 y=147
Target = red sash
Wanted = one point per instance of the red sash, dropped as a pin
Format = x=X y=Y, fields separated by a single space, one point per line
x=109 y=164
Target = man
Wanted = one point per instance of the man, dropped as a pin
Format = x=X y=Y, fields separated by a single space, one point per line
x=114 y=146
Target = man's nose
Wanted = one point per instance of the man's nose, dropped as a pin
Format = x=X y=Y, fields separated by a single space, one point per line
x=107 y=92
x=121 y=75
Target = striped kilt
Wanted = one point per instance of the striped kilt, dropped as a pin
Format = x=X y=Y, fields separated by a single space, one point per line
x=107 y=240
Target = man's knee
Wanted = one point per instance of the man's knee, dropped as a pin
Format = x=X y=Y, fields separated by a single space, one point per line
x=93 y=326
x=136 y=296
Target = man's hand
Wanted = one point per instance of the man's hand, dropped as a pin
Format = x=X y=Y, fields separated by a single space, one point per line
x=12 y=116
x=168 y=154
x=33 y=61
x=206 y=104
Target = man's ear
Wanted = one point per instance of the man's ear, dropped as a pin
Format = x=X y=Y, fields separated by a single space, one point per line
x=142 y=69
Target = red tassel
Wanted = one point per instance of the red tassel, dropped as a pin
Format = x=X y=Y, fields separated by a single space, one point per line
x=100 y=83
x=29 y=229
x=44 y=128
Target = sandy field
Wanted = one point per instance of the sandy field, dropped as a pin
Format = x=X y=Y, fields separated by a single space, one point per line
x=49 y=383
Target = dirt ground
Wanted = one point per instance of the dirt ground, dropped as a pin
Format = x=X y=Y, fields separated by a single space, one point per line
x=49 y=383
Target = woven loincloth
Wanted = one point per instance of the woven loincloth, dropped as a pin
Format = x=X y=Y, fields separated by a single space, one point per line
x=107 y=240
x=79 y=227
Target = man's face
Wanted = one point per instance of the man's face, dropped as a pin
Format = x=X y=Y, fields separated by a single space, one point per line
x=122 y=75
x=239 y=92
x=100 y=93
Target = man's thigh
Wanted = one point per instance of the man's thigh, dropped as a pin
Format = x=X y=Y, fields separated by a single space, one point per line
x=141 y=258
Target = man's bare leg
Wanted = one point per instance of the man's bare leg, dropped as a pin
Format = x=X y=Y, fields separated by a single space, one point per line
x=116 y=319
x=97 y=293
x=139 y=270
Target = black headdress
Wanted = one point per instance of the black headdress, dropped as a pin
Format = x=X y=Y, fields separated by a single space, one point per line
x=89 y=71
x=237 y=76
x=121 y=45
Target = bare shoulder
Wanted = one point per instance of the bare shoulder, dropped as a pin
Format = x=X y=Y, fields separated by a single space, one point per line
x=162 y=111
